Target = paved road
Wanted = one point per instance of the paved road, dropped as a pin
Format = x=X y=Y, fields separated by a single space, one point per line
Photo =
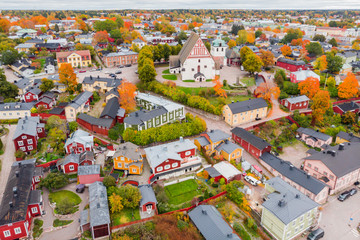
x=8 y=158
x=70 y=231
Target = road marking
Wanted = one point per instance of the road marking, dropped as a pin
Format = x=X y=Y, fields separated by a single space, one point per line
x=355 y=232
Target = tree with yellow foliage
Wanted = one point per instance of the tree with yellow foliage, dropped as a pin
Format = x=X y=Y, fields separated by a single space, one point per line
x=68 y=77
x=321 y=63
x=127 y=92
x=321 y=103
x=231 y=43
x=250 y=37
x=349 y=88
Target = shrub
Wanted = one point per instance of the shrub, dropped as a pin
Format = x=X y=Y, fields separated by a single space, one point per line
x=54 y=180
x=241 y=231
x=20 y=154
x=109 y=181
x=214 y=185
x=65 y=207
x=116 y=131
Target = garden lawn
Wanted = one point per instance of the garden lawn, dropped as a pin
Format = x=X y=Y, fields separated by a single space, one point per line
x=166 y=71
x=192 y=91
x=228 y=100
x=125 y=216
x=248 y=81
x=59 y=223
x=182 y=192
x=59 y=196
x=170 y=77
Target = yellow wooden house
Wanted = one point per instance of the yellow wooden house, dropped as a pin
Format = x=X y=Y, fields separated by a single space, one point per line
x=128 y=158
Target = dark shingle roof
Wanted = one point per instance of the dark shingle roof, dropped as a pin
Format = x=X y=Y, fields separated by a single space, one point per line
x=294 y=174
x=138 y=117
x=188 y=46
x=250 y=138
x=248 y=105
x=103 y=122
x=292 y=62
x=212 y=172
x=348 y=106
x=211 y=224
x=348 y=136
x=217 y=135
x=111 y=108
x=313 y=133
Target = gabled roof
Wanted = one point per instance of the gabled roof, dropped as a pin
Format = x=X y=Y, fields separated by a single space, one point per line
x=188 y=46
x=80 y=99
x=82 y=137
x=301 y=75
x=226 y=169
x=141 y=116
x=88 y=170
x=71 y=158
x=66 y=54
x=294 y=174
x=147 y=194
x=128 y=150
x=287 y=203
x=110 y=82
x=217 y=135
x=14 y=106
x=313 y=133
x=227 y=147
x=211 y=223
x=103 y=122
x=111 y=108
x=339 y=161
x=98 y=205
x=348 y=106
x=250 y=138
x=248 y=105
x=28 y=126
x=348 y=136
x=292 y=62
x=297 y=99
x=212 y=172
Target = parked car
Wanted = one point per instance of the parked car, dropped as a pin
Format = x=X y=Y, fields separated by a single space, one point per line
x=316 y=234
x=345 y=195
x=253 y=181
x=128 y=65
x=112 y=75
x=82 y=71
x=353 y=191
x=136 y=71
x=80 y=188
x=121 y=66
x=118 y=72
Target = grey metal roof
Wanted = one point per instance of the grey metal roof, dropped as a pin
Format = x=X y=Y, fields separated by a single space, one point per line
x=292 y=62
x=203 y=141
x=348 y=136
x=294 y=174
x=111 y=108
x=103 y=122
x=211 y=223
x=110 y=82
x=159 y=101
x=141 y=116
x=217 y=135
x=71 y=158
x=343 y=162
x=297 y=99
x=250 y=138
x=212 y=172
x=248 y=105
x=313 y=133
x=293 y=203
x=84 y=217
x=27 y=125
x=158 y=154
x=227 y=147
x=35 y=196
x=13 y=106
x=348 y=106
x=99 y=209
x=147 y=194
x=89 y=170
x=82 y=137
x=80 y=99
x=128 y=150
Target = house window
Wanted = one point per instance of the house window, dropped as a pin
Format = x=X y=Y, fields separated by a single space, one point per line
x=294 y=222
x=296 y=229
x=71 y=168
x=205 y=66
x=187 y=153
x=80 y=149
x=120 y=165
x=122 y=158
x=20 y=143
x=325 y=173
x=174 y=165
x=134 y=170
x=199 y=60
x=167 y=167
x=40 y=130
x=34 y=210
x=30 y=148
x=316 y=169
x=23 y=149
x=331 y=177
x=29 y=141
x=302 y=218
x=309 y=165
x=7 y=233
x=126 y=165
x=17 y=230
x=192 y=69
x=159 y=169
x=23 y=137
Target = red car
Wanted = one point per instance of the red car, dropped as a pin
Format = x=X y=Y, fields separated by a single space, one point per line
x=82 y=71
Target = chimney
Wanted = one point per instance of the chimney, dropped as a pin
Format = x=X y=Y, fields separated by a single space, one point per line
x=229 y=235
x=204 y=212
x=341 y=146
x=11 y=204
x=17 y=173
x=136 y=114
x=291 y=167
x=281 y=203
x=91 y=77
x=308 y=175
x=333 y=153
x=317 y=130
x=297 y=196
x=211 y=130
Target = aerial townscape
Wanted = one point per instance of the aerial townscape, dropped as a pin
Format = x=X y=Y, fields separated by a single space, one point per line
x=192 y=121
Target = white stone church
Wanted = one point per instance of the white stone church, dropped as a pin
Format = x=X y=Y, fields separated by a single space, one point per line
x=194 y=61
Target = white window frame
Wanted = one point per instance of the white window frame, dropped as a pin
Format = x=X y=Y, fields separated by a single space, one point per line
x=34 y=210
x=71 y=167
x=174 y=164
x=40 y=130
x=167 y=167
x=80 y=149
x=159 y=169
x=23 y=149
x=134 y=170
x=20 y=143
x=23 y=137
x=17 y=230
x=119 y=165
x=7 y=233
x=30 y=148
x=30 y=141
x=187 y=153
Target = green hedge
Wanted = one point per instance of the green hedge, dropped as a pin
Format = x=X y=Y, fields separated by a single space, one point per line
x=9 y=121
x=193 y=126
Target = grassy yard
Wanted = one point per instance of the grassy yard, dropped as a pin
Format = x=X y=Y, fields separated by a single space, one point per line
x=125 y=216
x=37 y=229
x=182 y=192
x=59 y=223
x=172 y=77
x=59 y=196
x=192 y=91
x=166 y=71
x=248 y=81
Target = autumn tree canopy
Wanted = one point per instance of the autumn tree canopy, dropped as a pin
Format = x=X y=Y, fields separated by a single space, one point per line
x=309 y=87
x=68 y=77
x=349 y=88
x=127 y=92
x=321 y=103
x=267 y=91
x=253 y=64
x=286 y=50
x=321 y=63
x=218 y=87
x=267 y=57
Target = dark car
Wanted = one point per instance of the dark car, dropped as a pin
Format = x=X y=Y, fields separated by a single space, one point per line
x=128 y=65
x=345 y=195
x=316 y=234
x=353 y=191
x=112 y=75
x=80 y=188
x=118 y=72
x=121 y=66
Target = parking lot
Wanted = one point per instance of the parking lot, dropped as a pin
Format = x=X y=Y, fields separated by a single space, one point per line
x=340 y=219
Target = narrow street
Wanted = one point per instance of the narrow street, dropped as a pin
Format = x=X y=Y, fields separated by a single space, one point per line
x=8 y=158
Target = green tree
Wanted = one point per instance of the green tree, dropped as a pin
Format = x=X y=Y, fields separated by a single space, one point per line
x=55 y=122
x=9 y=56
x=182 y=36
x=56 y=28
x=236 y=28
x=314 y=48
x=65 y=207
x=319 y=38
x=7 y=90
x=73 y=126
x=109 y=181
x=131 y=196
x=292 y=34
x=242 y=37
x=333 y=42
x=119 y=21
x=253 y=64
x=46 y=85
x=106 y=25
x=335 y=63
x=116 y=34
x=244 y=52
x=54 y=180
x=280 y=78
x=208 y=46
x=147 y=73
x=166 y=51
x=258 y=33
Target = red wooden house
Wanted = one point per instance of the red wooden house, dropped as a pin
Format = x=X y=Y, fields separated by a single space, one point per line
x=32 y=95
x=96 y=125
x=89 y=174
x=251 y=143
x=148 y=200
x=172 y=159
x=294 y=103
x=342 y=108
x=27 y=134
x=290 y=64
x=78 y=142
x=20 y=202
x=71 y=162
x=46 y=100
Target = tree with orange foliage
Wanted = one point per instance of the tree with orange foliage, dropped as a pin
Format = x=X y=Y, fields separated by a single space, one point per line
x=309 y=87
x=101 y=36
x=296 y=42
x=231 y=43
x=286 y=50
x=127 y=92
x=267 y=58
x=68 y=77
x=184 y=27
x=218 y=87
x=263 y=37
x=349 y=88
x=321 y=103
x=250 y=38
x=267 y=90
x=4 y=25
x=321 y=63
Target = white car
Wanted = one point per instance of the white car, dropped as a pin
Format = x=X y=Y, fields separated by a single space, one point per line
x=253 y=181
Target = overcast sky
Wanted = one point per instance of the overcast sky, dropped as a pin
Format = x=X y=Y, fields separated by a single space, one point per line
x=177 y=4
